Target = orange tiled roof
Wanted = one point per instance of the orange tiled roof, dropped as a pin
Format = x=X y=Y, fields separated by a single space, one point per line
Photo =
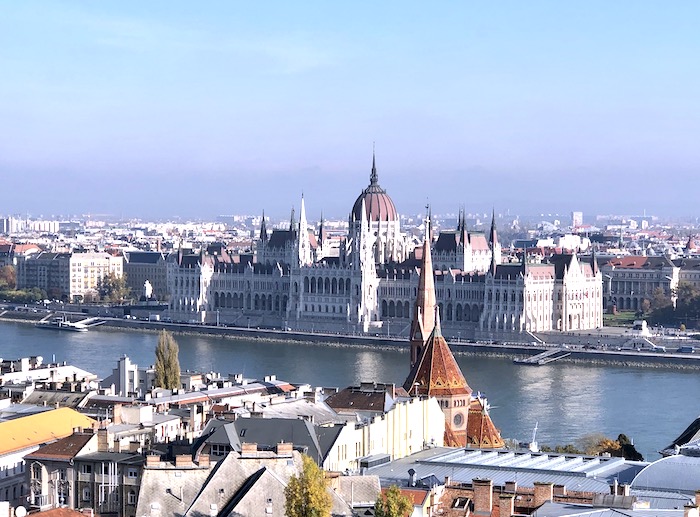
x=481 y=432
x=436 y=372
x=33 y=430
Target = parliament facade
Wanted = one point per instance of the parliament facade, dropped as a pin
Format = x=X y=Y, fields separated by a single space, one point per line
x=367 y=281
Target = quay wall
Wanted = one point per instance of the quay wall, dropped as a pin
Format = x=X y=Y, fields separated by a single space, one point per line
x=521 y=346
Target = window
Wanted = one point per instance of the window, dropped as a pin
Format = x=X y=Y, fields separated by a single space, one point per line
x=85 y=468
x=87 y=494
x=132 y=473
x=131 y=497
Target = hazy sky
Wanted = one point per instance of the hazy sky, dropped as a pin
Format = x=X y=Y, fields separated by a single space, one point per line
x=195 y=109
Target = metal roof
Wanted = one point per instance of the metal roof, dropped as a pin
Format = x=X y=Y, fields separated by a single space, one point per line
x=576 y=472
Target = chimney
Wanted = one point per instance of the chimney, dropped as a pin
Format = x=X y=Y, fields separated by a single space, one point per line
x=117 y=414
x=102 y=440
x=411 y=477
x=152 y=461
x=543 y=492
x=204 y=460
x=183 y=460
x=511 y=486
x=506 y=505
x=249 y=448
x=690 y=510
x=448 y=480
x=624 y=490
x=483 y=495
x=284 y=449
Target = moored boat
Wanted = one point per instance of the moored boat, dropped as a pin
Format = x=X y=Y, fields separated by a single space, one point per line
x=61 y=323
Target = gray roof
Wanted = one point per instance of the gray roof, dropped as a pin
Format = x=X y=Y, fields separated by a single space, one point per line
x=359 y=490
x=236 y=485
x=576 y=472
x=318 y=412
x=268 y=432
x=680 y=474
x=551 y=509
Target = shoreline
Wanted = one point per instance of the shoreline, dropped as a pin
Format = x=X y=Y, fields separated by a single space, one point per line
x=578 y=355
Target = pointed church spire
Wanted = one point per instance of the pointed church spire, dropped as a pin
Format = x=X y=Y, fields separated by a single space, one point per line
x=492 y=267
x=428 y=223
x=304 y=244
x=292 y=222
x=373 y=177
x=493 y=235
x=594 y=262
x=424 y=309
x=263 y=229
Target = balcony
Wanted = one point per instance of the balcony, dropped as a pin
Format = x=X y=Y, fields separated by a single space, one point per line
x=40 y=501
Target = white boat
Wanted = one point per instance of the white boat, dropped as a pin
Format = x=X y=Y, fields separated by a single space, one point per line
x=61 y=323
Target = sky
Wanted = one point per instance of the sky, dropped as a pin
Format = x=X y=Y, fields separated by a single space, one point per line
x=166 y=109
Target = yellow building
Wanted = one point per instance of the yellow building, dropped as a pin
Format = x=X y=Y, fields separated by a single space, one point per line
x=24 y=435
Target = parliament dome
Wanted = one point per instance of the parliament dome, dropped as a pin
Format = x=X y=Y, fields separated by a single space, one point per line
x=378 y=204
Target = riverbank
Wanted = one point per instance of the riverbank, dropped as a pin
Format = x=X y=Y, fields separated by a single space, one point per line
x=577 y=353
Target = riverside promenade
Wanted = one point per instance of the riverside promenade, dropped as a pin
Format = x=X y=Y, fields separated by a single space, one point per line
x=608 y=345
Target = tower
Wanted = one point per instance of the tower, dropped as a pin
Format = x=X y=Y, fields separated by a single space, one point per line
x=424 y=308
x=493 y=241
x=437 y=374
x=303 y=242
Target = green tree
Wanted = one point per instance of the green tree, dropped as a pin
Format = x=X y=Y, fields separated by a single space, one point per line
x=306 y=495
x=113 y=288
x=659 y=299
x=167 y=363
x=8 y=278
x=627 y=448
x=393 y=504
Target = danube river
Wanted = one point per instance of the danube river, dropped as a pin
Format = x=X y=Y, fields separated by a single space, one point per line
x=567 y=401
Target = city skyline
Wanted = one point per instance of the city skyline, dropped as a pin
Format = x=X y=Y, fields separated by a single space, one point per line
x=164 y=110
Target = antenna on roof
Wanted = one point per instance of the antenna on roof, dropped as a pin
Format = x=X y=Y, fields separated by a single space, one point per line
x=533 y=444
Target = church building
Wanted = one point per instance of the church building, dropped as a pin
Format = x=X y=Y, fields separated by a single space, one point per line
x=435 y=372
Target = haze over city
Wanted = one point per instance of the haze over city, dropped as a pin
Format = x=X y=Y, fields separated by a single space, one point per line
x=165 y=109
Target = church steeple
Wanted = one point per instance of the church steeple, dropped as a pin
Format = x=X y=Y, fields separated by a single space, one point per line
x=424 y=309
x=594 y=262
x=304 y=244
x=292 y=222
x=263 y=229
x=373 y=177
x=493 y=242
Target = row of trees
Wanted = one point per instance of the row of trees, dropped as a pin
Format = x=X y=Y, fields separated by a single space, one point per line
x=687 y=309
x=9 y=291
x=597 y=444
x=111 y=288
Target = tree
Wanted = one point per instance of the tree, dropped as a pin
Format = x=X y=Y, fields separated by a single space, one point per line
x=167 y=363
x=393 y=504
x=659 y=299
x=8 y=278
x=629 y=452
x=306 y=495
x=113 y=288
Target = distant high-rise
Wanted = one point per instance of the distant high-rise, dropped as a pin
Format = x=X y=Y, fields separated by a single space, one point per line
x=576 y=219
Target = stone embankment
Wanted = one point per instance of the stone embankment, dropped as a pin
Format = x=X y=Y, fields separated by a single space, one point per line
x=583 y=348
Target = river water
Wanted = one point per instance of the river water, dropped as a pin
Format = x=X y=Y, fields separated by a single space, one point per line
x=567 y=401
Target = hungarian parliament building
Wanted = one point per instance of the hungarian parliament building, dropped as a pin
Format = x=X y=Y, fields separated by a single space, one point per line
x=367 y=281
